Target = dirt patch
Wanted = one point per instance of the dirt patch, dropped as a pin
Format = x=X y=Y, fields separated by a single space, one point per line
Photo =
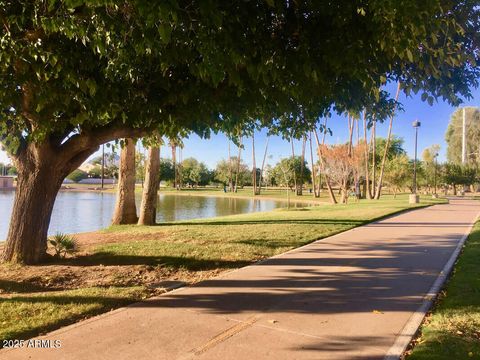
x=28 y=279
x=88 y=240
x=67 y=274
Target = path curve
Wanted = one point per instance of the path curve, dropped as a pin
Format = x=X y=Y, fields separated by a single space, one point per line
x=348 y=296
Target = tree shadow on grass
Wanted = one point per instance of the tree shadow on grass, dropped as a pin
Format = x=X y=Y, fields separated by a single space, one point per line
x=185 y=262
x=10 y=286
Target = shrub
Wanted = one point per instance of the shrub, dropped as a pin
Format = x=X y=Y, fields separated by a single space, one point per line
x=77 y=175
x=63 y=244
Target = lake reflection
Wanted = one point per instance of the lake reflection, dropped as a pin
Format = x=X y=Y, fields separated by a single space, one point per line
x=88 y=211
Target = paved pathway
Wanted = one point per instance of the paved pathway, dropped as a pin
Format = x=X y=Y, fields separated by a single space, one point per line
x=345 y=297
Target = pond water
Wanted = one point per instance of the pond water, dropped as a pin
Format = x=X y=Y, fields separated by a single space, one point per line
x=88 y=211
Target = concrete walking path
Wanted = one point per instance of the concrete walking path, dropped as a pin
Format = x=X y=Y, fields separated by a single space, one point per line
x=344 y=297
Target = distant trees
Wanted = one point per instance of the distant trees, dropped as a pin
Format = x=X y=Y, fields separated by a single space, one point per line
x=341 y=164
x=288 y=172
x=111 y=166
x=7 y=169
x=453 y=136
x=430 y=166
x=77 y=175
x=195 y=173
x=454 y=175
x=238 y=174
x=398 y=173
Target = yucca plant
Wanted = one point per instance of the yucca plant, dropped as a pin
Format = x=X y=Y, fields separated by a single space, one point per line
x=63 y=244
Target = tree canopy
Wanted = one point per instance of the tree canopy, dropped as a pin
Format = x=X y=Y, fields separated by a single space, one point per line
x=77 y=67
x=79 y=73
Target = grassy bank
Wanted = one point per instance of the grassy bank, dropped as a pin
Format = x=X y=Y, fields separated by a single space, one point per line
x=452 y=331
x=126 y=263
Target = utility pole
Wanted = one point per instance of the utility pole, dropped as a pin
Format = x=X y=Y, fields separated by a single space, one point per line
x=464 y=138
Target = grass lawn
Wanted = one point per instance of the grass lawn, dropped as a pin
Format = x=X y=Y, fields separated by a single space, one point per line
x=452 y=331
x=124 y=264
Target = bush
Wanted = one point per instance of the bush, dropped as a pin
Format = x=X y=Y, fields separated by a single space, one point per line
x=77 y=175
x=63 y=244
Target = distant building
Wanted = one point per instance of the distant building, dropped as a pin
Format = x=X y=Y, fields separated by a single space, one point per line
x=6 y=182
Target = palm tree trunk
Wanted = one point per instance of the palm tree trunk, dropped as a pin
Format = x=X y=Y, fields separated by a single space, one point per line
x=385 y=151
x=300 y=190
x=238 y=164
x=293 y=165
x=350 y=136
x=263 y=165
x=327 y=180
x=174 y=162
x=368 y=191
x=230 y=169
x=314 y=172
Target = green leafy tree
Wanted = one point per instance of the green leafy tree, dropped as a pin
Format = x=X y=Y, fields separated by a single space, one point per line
x=222 y=172
x=287 y=172
x=77 y=175
x=398 y=173
x=429 y=158
x=167 y=171
x=70 y=85
x=194 y=172
x=454 y=175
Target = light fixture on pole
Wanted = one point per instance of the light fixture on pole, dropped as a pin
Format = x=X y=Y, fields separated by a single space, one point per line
x=414 y=198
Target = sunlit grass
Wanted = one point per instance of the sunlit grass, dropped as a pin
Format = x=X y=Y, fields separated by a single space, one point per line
x=202 y=247
x=453 y=329
x=22 y=315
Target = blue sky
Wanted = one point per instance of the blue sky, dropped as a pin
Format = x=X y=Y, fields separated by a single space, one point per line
x=434 y=121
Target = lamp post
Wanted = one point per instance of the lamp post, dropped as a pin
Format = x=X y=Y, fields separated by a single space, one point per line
x=414 y=198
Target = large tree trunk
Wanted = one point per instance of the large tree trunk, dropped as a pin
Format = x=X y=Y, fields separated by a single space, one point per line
x=148 y=208
x=385 y=151
x=41 y=170
x=42 y=167
x=125 y=208
x=37 y=186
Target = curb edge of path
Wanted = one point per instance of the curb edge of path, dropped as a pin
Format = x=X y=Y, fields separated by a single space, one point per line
x=405 y=337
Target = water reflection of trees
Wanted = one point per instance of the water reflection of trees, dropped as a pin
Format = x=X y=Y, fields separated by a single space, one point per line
x=172 y=207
